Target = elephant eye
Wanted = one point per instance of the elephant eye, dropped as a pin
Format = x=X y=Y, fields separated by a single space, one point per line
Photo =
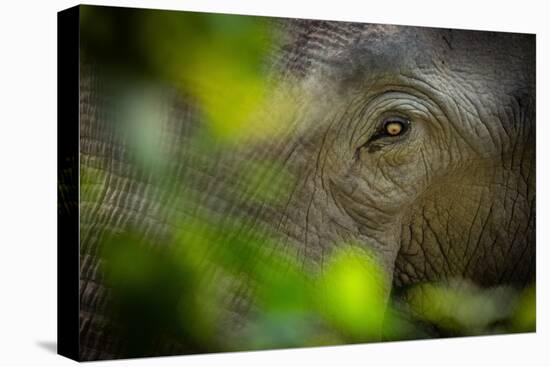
x=395 y=126
x=391 y=128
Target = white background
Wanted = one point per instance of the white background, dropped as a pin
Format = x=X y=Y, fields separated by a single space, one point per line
x=28 y=183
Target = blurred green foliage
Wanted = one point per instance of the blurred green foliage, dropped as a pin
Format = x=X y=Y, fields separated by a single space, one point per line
x=174 y=289
x=353 y=294
x=180 y=287
x=156 y=295
x=185 y=286
x=461 y=308
x=525 y=311
x=216 y=59
x=185 y=289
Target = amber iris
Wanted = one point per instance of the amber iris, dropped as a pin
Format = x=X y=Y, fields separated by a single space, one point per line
x=393 y=128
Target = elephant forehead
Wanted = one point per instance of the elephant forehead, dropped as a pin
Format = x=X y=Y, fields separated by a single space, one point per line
x=385 y=49
x=351 y=50
x=498 y=60
x=311 y=46
x=351 y=54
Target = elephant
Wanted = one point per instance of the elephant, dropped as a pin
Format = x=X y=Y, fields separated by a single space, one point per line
x=415 y=143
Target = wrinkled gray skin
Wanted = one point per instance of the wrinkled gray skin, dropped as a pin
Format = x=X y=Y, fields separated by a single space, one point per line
x=453 y=197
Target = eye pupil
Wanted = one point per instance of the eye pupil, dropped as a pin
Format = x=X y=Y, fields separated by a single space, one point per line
x=393 y=128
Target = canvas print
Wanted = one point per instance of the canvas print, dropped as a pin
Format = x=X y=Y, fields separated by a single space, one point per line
x=232 y=183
